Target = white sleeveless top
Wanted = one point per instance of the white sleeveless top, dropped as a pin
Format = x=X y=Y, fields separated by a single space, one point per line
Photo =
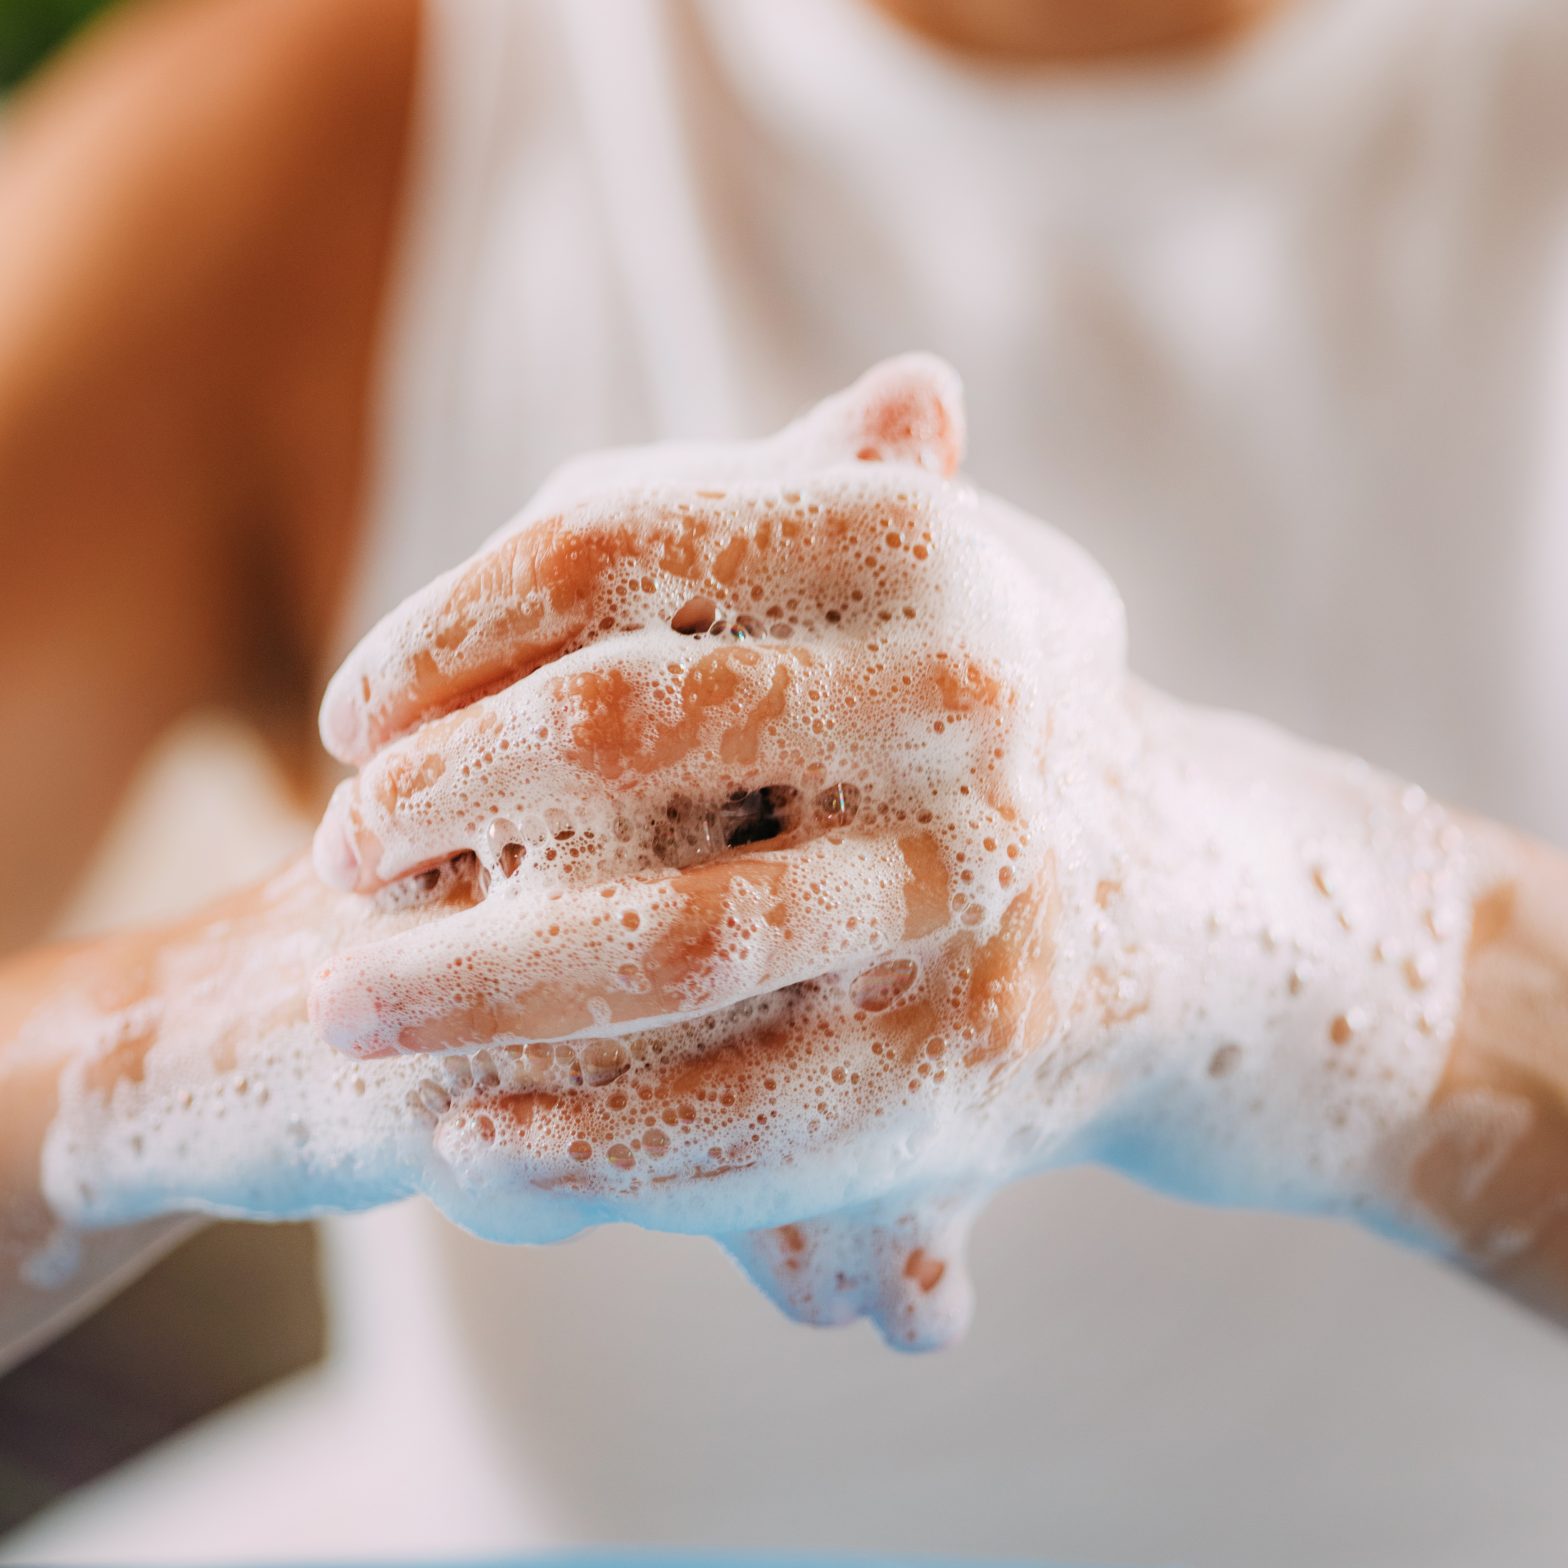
x=1280 y=335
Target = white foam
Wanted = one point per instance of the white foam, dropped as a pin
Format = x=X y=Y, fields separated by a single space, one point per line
x=1177 y=940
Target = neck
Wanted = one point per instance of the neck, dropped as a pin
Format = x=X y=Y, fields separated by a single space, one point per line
x=1043 y=31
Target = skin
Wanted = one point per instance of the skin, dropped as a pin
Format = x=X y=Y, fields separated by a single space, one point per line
x=1481 y=1174
x=1054 y=32
x=184 y=376
x=185 y=370
x=1509 y=1213
x=176 y=987
x=875 y=987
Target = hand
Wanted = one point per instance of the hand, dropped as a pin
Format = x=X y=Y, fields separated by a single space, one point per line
x=181 y=1071
x=757 y=821
x=833 y=872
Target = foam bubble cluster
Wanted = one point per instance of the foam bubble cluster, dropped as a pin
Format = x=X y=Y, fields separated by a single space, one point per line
x=792 y=860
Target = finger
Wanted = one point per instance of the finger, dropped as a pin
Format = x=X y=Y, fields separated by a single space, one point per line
x=553 y=587
x=907 y=410
x=603 y=564
x=602 y=749
x=558 y=586
x=624 y=956
x=454 y=787
x=508 y=610
x=901 y=1264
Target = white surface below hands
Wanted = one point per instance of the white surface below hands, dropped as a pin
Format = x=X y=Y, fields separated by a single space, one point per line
x=1146 y=1382
x=1299 y=1395
x=383 y=1451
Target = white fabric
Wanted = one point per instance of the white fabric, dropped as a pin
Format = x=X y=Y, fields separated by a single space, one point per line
x=1278 y=334
x=1282 y=337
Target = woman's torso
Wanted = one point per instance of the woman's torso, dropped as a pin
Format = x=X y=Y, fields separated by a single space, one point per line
x=1280 y=337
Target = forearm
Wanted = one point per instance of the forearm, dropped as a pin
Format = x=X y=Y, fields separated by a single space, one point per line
x=148 y=1074
x=197 y=206
x=1290 y=931
x=52 y=1272
x=1345 y=999
x=194 y=1080
x=1489 y=1169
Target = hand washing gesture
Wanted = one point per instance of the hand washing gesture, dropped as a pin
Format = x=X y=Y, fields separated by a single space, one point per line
x=828 y=870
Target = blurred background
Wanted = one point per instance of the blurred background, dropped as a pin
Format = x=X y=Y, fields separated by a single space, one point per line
x=30 y=30
x=238 y=1307
x=1146 y=1382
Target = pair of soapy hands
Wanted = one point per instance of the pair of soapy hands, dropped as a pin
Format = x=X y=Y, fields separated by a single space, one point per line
x=767 y=841
x=770 y=792
x=743 y=756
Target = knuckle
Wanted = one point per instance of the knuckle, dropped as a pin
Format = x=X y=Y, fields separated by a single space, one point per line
x=402 y=779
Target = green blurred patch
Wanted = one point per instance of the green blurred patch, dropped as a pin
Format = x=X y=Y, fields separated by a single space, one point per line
x=31 y=30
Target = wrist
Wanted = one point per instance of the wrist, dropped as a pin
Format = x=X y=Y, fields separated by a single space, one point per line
x=200 y=1083
x=191 y=1078
x=1295 y=923
x=50 y=1271
x=1486 y=1170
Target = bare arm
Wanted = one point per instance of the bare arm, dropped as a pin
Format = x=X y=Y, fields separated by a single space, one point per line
x=47 y=1278
x=1493 y=1171
x=197 y=207
x=203 y=1022
x=1231 y=964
